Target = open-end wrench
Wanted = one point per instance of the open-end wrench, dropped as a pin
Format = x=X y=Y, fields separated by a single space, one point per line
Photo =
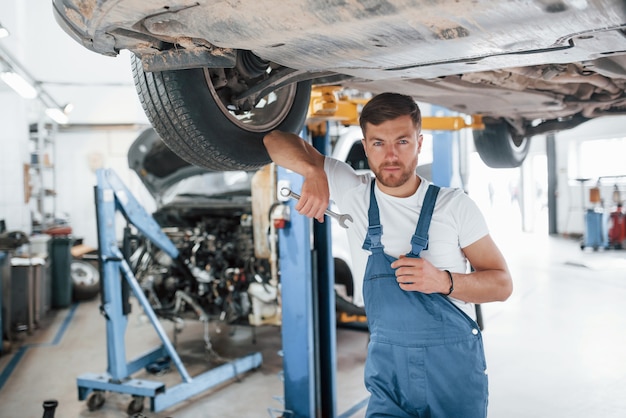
x=342 y=218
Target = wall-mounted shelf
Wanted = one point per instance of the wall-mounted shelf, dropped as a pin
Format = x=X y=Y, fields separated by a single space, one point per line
x=41 y=171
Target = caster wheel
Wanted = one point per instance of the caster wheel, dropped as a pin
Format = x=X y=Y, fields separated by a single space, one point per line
x=159 y=367
x=136 y=405
x=96 y=400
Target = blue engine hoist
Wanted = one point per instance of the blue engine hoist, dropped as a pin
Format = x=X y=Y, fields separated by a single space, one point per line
x=111 y=195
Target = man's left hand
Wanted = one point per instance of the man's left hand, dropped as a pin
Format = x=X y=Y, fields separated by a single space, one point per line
x=419 y=275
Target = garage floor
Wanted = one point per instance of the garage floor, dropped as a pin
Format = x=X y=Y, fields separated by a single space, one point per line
x=554 y=349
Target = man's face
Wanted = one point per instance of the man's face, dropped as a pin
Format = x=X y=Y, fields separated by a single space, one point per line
x=392 y=148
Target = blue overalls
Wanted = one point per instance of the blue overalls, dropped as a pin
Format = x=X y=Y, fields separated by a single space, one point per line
x=425 y=356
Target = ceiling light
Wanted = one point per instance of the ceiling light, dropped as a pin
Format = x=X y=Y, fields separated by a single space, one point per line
x=57 y=115
x=4 y=32
x=68 y=108
x=19 y=84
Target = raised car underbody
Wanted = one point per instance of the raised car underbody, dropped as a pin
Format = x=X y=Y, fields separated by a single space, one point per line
x=531 y=67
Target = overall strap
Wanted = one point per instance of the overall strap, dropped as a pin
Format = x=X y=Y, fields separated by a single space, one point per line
x=419 y=241
x=375 y=230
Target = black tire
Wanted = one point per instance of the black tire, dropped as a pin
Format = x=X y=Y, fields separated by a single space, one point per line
x=135 y=406
x=498 y=148
x=343 y=277
x=85 y=280
x=193 y=119
x=96 y=400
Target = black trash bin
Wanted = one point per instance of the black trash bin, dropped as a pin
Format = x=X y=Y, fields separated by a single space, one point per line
x=3 y=273
x=60 y=271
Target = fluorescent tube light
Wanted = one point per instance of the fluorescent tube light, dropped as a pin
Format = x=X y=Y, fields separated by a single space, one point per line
x=68 y=108
x=4 y=32
x=19 y=84
x=57 y=115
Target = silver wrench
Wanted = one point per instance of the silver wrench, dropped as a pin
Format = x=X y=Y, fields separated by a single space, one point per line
x=342 y=218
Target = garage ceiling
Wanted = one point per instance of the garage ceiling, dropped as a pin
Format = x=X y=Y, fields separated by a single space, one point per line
x=100 y=88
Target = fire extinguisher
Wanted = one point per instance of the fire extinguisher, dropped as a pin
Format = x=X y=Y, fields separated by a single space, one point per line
x=617 y=229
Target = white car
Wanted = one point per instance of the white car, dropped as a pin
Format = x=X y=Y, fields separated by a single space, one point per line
x=349 y=297
x=215 y=76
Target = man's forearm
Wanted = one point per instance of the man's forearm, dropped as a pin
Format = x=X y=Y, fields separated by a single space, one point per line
x=292 y=152
x=482 y=286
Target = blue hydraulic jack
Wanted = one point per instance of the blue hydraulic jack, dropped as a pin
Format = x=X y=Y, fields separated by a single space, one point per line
x=111 y=195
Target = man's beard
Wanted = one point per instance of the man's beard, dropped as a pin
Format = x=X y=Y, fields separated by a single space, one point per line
x=393 y=180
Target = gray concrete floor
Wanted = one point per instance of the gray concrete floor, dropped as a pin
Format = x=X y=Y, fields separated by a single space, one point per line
x=554 y=349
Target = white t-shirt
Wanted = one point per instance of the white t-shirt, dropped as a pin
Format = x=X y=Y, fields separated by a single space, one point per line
x=456 y=223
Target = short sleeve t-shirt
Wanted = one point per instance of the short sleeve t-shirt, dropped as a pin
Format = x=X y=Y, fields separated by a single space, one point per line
x=456 y=223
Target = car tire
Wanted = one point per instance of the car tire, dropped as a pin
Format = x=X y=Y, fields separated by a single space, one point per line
x=343 y=277
x=498 y=148
x=85 y=280
x=192 y=119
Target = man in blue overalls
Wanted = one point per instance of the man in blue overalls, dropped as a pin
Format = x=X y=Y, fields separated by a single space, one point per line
x=413 y=244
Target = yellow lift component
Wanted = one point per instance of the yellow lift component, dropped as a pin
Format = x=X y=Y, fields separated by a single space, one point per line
x=327 y=103
x=345 y=318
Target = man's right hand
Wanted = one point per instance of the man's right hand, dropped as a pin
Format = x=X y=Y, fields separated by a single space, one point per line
x=315 y=197
x=292 y=152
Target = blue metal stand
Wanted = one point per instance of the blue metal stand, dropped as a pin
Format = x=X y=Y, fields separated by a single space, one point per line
x=308 y=324
x=297 y=304
x=111 y=196
x=326 y=318
x=445 y=152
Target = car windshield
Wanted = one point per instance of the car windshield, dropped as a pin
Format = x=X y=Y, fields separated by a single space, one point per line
x=223 y=184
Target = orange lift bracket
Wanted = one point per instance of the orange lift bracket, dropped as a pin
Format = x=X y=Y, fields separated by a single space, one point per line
x=327 y=103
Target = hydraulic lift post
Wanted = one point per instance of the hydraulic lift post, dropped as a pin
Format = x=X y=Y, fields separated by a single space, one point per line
x=111 y=196
x=325 y=285
x=445 y=151
x=299 y=375
x=308 y=325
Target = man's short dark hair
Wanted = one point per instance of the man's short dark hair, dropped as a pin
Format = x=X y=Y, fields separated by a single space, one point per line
x=389 y=106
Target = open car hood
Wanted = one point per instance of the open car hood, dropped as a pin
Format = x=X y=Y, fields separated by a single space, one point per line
x=182 y=190
x=158 y=167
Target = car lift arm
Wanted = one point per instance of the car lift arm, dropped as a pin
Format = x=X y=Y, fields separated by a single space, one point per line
x=327 y=103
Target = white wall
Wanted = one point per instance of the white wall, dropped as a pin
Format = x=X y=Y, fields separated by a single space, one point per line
x=14 y=146
x=102 y=91
x=80 y=155
x=570 y=196
x=572 y=201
